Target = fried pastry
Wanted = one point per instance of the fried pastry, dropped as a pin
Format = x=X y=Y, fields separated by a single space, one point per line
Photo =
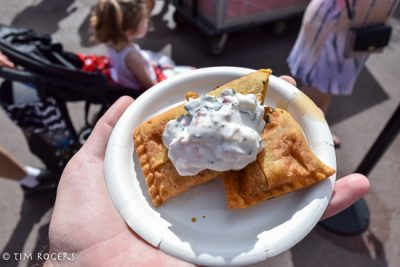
x=162 y=179
x=285 y=164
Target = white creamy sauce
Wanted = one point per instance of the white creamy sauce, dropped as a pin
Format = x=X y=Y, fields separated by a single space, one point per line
x=218 y=133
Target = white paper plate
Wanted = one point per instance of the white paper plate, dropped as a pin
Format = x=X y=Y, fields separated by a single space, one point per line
x=218 y=236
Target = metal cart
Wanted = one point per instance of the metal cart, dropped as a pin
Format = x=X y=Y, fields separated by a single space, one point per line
x=219 y=17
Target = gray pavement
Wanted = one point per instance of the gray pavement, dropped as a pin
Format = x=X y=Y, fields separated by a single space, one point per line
x=357 y=119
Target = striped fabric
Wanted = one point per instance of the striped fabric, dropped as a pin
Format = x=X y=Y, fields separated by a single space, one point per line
x=317 y=57
x=46 y=131
x=37 y=117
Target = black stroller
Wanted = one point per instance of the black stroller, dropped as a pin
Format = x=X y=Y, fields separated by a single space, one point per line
x=57 y=77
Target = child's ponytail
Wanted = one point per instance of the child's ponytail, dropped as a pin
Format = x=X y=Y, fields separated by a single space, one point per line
x=116 y=18
x=107 y=22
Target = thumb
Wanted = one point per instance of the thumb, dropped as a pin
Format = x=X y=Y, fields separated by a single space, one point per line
x=97 y=142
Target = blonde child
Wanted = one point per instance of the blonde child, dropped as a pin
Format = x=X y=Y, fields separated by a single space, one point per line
x=119 y=24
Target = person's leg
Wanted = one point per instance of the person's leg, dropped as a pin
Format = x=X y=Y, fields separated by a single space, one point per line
x=322 y=100
x=32 y=180
x=10 y=167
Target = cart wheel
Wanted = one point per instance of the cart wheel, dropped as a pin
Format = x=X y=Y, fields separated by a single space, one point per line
x=279 y=27
x=218 y=44
x=179 y=18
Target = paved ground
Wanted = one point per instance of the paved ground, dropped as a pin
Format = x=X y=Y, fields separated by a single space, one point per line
x=356 y=119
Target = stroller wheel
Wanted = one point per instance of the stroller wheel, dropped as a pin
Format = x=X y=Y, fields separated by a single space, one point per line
x=84 y=134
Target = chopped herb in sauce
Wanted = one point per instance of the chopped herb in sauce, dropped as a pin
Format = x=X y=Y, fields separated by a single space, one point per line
x=218 y=133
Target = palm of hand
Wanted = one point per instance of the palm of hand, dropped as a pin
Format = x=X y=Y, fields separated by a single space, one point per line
x=85 y=222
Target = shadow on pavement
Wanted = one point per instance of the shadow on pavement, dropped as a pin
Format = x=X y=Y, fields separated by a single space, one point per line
x=85 y=33
x=32 y=211
x=45 y=16
x=42 y=246
x=367 y=93
x=323 y=248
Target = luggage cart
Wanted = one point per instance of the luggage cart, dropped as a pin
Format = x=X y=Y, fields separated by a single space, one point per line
x=219 y=17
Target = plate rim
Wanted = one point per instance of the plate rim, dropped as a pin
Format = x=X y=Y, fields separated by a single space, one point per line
x=159 y=240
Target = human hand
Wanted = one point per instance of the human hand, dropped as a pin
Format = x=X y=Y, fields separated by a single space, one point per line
x=85 y=222
x=5 y=62
x=347 y=190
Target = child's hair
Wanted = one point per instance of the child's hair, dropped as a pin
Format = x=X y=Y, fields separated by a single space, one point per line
x=111 y=18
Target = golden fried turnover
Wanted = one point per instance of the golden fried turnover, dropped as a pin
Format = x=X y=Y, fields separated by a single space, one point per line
x=162 y=179
x=285 y=164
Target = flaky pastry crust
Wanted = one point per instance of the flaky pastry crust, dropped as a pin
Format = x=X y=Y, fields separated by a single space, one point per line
x=162 y=179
